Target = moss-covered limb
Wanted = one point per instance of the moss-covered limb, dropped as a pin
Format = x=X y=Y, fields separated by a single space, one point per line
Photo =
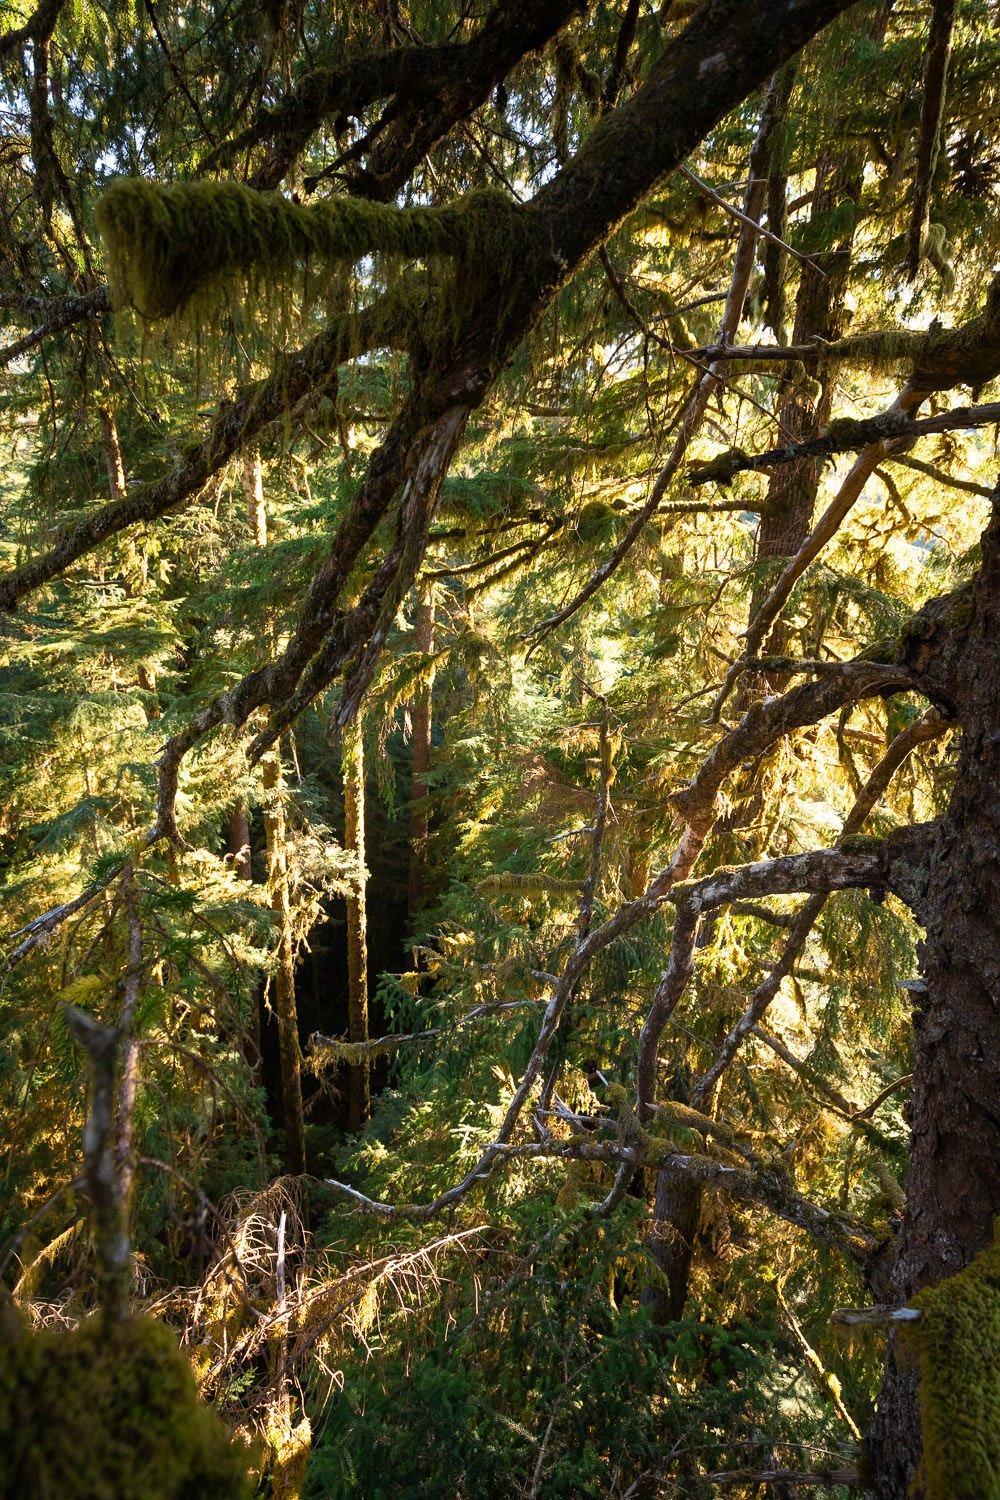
x=37 y=28
x=167 y=244
x=431 y=88
x=849 y=435
x=321 y=623
x=880 y=864
x=237 y=423
x=356 y=639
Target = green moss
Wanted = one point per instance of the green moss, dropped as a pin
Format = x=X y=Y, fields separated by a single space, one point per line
x=166 y=244
x=98 y=1414
x=860 y=843
x=957 y=1340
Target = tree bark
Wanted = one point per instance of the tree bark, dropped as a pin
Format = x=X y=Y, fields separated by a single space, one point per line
x=359 y=1096
x=953 y=1192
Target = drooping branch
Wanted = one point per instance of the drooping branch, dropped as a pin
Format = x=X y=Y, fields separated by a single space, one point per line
x=772 y=1190
x=167 y=243
x=931 y=471
x=928 y=727
x=767 y=721
x=712 y=377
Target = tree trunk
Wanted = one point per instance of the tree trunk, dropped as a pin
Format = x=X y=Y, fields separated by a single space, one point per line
x=421 y=722
x=676 y=1216
x=953 y=1192
x=283 y=985
x=359 y=1098
x=276 y=844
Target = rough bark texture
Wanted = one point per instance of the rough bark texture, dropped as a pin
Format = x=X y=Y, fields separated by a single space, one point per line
x=954 y=1184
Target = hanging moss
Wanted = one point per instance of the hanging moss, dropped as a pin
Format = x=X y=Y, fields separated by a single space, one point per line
x=165 y=244
x=98 y=1414
x=957 y=1340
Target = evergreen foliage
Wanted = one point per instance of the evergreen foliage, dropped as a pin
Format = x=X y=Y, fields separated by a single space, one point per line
x=393 y=466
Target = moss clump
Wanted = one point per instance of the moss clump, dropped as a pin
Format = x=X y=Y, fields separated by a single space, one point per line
x=166 y=244
x=957 y=1340
x=98 y=1414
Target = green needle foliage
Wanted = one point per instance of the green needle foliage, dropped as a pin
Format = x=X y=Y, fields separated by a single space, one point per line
x=426 y=345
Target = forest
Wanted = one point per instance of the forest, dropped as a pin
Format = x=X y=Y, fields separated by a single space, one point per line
x=499 y=749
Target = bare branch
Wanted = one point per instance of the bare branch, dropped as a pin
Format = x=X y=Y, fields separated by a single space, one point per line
x=848 y=435
x=926 y=728
x=54 y=314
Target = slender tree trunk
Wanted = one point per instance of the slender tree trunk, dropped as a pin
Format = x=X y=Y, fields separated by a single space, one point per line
x=421 y=722
x=283 y=984
x=359 y=1098
x=276 y=845
x=253 y=490
x=953 y=1192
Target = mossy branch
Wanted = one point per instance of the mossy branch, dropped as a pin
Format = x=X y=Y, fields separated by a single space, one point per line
x=167 y=244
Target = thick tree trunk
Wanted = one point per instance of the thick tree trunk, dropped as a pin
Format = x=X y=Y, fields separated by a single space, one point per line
x=676 y=1216
x=954 y=1184
x=359 y=1097
x=421 y=721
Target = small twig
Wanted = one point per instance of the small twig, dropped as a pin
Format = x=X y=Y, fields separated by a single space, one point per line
x=747 y=221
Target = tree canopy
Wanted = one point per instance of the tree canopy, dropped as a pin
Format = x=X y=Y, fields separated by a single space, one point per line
x=500 y=727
